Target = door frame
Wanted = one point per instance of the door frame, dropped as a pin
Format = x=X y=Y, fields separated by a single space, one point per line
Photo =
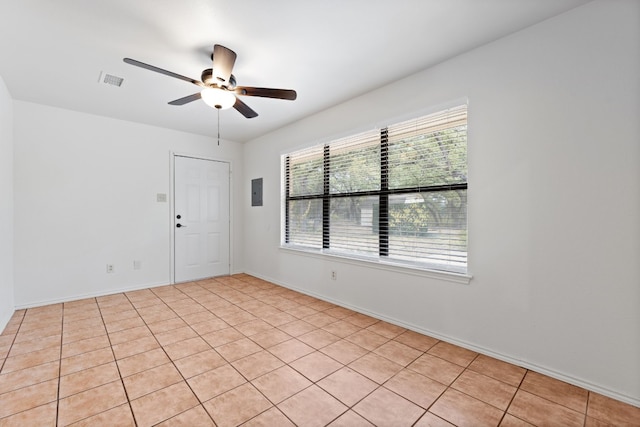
x=172 y=209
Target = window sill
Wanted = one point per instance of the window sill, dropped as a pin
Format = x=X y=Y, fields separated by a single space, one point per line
x=413 y=270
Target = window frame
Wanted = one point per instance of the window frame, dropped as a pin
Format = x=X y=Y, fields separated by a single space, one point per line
x=383 y=194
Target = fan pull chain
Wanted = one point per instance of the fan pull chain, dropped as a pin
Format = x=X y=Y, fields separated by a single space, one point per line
x=218 y=126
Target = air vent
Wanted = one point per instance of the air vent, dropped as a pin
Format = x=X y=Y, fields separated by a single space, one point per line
x=110 y=79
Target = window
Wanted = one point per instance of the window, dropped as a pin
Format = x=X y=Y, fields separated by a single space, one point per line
x=397 y=194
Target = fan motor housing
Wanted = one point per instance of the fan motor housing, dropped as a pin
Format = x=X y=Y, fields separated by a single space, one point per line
x=208 y=79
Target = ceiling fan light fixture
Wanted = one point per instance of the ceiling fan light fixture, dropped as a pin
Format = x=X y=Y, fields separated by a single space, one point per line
x=218 y=85
x=218 y=98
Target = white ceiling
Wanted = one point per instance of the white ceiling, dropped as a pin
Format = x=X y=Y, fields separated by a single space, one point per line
x=53 y=52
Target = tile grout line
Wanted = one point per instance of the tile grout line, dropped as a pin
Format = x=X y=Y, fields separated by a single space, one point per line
x=506 y=411
x=448 y=387
x=274 y=405
x=60 y=367
x=230 y=363
x=549 y=400
x=248 y=381
x=29 y=367
x=316 y=383
x=13 y=341
x=586 y=408
x=60 y=377
x=115 y=361
x=313 y=383
x=197 y=333
x=169 y=357
x=163 y=350
x=4 y=361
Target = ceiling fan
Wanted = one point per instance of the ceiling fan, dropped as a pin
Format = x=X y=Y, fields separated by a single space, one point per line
x=218 y=85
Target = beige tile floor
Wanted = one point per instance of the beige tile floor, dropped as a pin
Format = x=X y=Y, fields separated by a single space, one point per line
x=239 y=350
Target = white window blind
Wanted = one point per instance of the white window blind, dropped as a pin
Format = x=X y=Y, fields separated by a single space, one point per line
x=429 y=154
x=397 y=194
x=430 y=150
x=355 y=163
x=304 y=177
x=306 y=171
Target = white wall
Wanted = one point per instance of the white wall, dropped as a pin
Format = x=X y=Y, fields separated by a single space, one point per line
x=554 y=202
x=6 y=206
x=85 y=197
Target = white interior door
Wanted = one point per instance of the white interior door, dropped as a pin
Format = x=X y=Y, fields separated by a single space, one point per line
x=201 y=218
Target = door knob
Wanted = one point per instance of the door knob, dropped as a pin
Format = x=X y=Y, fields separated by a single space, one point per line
x=180 y=225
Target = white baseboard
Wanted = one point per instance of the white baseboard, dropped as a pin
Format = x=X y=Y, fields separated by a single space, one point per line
x=482 y=350
x=95 y=294
x=89 y=295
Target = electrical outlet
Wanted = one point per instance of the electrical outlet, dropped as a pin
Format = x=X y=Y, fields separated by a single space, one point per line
x=137 y=264
x=334 y=275
x=109 y=268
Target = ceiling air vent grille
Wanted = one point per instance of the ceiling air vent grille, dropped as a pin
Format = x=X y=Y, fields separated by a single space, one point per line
x=110 y=79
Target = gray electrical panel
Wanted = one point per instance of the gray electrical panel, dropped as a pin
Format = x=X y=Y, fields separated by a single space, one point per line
x=256 y=192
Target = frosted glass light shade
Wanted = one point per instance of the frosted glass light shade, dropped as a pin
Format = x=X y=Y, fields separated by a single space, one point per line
x=218 y=98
